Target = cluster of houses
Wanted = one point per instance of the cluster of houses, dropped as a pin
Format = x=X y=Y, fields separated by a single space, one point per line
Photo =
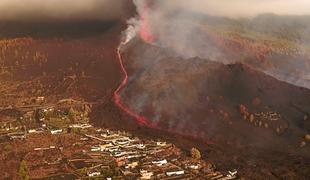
x=268 y=119
x=132 y=157
x=108 y=154
x=144 y=159
x=125 y=156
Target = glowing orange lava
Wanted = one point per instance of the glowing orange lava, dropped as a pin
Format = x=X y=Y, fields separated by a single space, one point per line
x=147 y=36
x=145 y=29
x=141 y=120
x=117 y=99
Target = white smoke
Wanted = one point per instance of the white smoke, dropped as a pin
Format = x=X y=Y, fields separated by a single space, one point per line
x=241 y=8
x=179 y=26
x=131 y=31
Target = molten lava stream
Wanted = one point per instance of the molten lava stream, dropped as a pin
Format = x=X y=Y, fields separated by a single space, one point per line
x=146 y=35
x=117 y=99
x=140 y=119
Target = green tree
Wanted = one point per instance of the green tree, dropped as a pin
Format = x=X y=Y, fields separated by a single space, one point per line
x=23 y=170
x=195 y=153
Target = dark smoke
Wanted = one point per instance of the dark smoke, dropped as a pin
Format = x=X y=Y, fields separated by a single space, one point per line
x=66 y=18
x=65 y=10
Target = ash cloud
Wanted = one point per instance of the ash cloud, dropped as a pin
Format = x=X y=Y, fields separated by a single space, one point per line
x=62 y=10
x=180 y=26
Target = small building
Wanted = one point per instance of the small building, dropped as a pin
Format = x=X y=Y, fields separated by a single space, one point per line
x=232 y=174
x=32 y=131
x=22 y=137
x=160 y=163
x=40 y=99
x=120 y=154
x=81 y=126
x=161 y=144
x=104 y=147
x=95 y=148
x=93 y=174
x=193 y=166
x=174 y=173
x=56 y=131
x=84 y=139
x=132 y=165
x=140 y=146
x=36 y=131
x=44 y=148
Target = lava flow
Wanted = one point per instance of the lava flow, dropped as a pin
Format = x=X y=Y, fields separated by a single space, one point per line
x=117 y=99
x=145 y=35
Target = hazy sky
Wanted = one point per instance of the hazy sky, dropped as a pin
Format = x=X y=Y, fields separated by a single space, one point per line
x=237 y=8
x=60 y=9
x=107 y=9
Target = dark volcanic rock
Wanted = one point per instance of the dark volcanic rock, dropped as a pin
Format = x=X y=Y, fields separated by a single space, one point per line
x=200 y=98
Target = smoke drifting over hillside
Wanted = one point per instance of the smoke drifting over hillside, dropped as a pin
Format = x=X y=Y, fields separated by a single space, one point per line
x=182 y=27
x=42 y=10
x=240 y=8
x=186 y=30
x=106 y=9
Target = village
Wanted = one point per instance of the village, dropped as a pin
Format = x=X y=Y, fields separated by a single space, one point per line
x=59 y=138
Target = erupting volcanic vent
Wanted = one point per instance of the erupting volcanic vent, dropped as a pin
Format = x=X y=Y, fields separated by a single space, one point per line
x=147 y=36
x=190 y=77
x=145 y=30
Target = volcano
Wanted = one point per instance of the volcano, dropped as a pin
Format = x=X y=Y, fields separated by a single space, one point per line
x=201 y=98
x=238 y=93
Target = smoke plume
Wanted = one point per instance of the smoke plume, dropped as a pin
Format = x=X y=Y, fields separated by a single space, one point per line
x=240 y=8
x=181 y=26
x=184 y=30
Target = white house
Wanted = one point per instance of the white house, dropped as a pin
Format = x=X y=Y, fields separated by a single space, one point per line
x=232 y=174
x=56 y=131
x=93 y=174
x=171 y=173
x=95 y=148
x=81 y=126
x=195 y=167
x=140 y=146
x=119 y=154
x=161 y=143
x=132 y=165
x=39 y=130
x=160 y=163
